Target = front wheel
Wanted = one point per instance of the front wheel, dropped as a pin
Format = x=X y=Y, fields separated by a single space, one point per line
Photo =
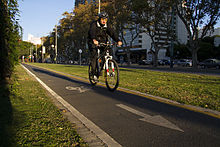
x=91 y=76
x=112 y=75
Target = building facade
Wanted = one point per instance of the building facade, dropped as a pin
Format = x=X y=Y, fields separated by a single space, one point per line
x=141 y=46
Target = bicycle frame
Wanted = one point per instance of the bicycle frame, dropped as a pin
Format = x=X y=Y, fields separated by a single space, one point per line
x=107 y=57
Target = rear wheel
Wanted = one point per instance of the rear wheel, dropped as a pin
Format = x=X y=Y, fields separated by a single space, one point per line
x=91 y=76
x=112 y=76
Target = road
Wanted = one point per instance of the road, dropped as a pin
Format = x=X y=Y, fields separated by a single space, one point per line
x=131 y=120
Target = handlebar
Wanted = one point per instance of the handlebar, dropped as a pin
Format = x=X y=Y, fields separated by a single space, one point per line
x=104 y=44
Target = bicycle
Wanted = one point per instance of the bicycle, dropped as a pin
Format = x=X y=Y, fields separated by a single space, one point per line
x=111 y=70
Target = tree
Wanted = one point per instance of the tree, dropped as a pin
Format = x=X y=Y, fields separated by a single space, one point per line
x=180 y=51
x=23 y=48
x=155 y=18
x=73 y=31
x=84 y=15
x=196 y=14
x=9 y=36
x=207 y=49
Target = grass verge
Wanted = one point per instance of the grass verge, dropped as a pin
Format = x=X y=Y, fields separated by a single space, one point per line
x=28 y=117
x=193 y=89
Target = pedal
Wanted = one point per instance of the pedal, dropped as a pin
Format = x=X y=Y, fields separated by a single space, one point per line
x=95 y=78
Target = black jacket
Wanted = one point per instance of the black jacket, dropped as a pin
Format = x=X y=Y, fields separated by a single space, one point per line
x=100 y=33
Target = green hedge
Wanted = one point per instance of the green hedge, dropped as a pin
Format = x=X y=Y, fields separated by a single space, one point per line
x=9 y=36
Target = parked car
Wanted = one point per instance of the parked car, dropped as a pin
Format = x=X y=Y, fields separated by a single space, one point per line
x=184 y=62
x=143 y=62
x=209 y=63
x=163 y=62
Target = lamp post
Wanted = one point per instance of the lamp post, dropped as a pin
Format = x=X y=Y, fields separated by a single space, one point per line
x=55 y=44
x=172 y=43
x=80 y=52
x=99 y=6
x=36 y=53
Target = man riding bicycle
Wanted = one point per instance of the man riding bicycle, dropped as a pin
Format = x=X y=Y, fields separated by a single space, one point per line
x=98 y=33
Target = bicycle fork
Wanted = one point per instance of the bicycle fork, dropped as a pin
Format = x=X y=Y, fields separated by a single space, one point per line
x=107 y=67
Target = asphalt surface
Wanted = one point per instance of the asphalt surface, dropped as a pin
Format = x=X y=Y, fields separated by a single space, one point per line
x=132 y=120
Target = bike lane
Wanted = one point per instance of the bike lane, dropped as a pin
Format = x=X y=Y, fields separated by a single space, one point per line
x=132 y=120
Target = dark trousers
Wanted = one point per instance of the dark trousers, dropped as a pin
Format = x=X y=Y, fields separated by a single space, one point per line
x=94 y=56
x=93 y=59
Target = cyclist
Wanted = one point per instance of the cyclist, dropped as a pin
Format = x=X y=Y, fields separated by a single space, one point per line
x=98 y=33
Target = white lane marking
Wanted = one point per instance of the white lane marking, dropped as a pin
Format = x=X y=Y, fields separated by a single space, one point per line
x=156 y=120
x=81 y=89
x=108 y=140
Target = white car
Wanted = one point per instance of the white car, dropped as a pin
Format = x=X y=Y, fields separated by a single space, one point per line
x=184 y=62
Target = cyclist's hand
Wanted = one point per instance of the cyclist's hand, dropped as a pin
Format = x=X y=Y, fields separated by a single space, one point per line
x=119 y=43
x=95 y=42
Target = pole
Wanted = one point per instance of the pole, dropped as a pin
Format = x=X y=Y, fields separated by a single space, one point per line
x=99 y=6
x=36 y=52
x=31 y=54
x=42 y=55
x=56 y=44
x=80 y=52
x=171 y=43
x=80 y=59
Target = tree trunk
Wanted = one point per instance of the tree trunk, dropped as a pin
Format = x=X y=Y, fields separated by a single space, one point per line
x=128 y=56
x=194 y=58
x=155 y=63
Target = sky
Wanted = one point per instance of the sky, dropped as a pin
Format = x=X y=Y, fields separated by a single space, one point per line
x=39 y=17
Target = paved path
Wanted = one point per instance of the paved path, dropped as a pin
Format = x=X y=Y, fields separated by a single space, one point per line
x=126 y=119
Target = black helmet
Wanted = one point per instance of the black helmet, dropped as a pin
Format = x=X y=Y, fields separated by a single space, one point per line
x=103 y=15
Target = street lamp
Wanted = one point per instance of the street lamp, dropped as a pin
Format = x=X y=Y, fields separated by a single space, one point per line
x=80 y=52
x=55 y=44
x=172 y=42
x=99 y=6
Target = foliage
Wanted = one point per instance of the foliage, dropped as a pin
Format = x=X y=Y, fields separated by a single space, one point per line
x=23 y=48
x=72 y=32
x=208 y=49
x=181 y=51
x=9 y=36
